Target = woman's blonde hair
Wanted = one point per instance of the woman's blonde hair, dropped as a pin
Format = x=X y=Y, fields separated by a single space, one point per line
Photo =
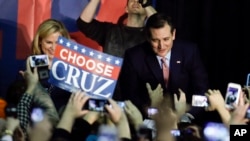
x=45 y=29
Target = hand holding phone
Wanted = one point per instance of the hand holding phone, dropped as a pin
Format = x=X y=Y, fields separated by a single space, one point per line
x=42 y=64
x=232 y=95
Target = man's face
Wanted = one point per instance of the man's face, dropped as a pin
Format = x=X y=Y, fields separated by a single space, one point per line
x=134 y=7
x=162 y=40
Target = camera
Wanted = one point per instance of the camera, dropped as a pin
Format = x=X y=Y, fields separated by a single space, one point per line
x=96 y=105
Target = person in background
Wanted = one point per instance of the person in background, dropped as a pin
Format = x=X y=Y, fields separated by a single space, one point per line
x=42 y=124
x=116 y=38
x=74 y=111
x=34 y=95
x=44 y=42
x=237 y=116
x=12 y=130
x=175 y=65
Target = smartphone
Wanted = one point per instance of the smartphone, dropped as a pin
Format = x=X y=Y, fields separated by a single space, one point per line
x=42 y=63
x=151 y=111
x=175 y=132
x=232 y=95
x=199 y=101
x=212 y=129
x=248 y=80
x=39 y=60
x=96 y=104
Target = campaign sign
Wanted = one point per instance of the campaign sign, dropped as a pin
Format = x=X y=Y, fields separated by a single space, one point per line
x=77 y=67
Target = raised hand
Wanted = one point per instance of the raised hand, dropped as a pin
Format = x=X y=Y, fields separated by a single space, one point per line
x=215 y=99
x=115 y=111
x=180 y=104
x=73 y=110
x=75 y=104
x=155 y=95
x=133 y=114
x=239 y=112
x=31 y=78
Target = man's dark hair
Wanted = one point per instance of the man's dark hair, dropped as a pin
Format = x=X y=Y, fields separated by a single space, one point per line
x=158 y=20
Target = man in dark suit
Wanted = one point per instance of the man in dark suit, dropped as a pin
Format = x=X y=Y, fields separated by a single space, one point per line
x=142 y=64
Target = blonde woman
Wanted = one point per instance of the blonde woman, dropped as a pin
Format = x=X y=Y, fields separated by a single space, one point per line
x=46 y=37
x=44 y=42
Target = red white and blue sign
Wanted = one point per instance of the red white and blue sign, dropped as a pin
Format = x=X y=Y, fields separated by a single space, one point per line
x=77 y=67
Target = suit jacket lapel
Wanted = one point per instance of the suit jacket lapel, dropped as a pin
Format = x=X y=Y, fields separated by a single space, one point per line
x=154 y=66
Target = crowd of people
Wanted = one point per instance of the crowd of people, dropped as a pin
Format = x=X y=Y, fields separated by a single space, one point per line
x=158 y=79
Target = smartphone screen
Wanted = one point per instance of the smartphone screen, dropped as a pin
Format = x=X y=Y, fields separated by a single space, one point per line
x=232 y=95
x=175 y=132
x=96 y=105
x=151 y=111
x=39 y=60
x=42 y=63
x=199 y=101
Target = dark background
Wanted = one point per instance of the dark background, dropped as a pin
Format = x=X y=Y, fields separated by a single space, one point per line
x=221 y=29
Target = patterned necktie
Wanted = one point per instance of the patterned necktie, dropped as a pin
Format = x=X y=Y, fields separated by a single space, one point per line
x=165 y=71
